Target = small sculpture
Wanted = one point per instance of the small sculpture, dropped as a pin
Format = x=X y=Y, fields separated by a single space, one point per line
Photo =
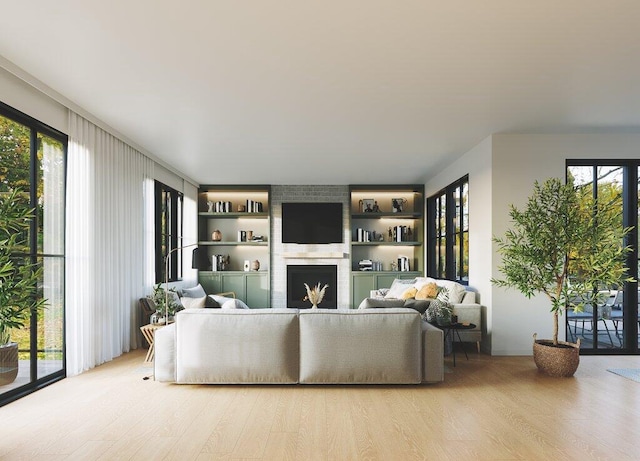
x=209 y=206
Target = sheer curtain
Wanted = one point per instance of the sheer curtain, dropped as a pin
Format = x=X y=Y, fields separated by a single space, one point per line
x=107 y=244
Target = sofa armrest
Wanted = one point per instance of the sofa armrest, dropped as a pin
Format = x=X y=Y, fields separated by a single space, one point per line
x=369 y=303
x=164 y=363
x=432 y=353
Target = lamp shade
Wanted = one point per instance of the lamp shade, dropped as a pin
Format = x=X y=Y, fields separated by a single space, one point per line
x=199 y=259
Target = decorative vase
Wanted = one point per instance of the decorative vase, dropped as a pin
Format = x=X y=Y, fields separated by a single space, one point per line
x=559 y=360
x=216 y=236
x=255 y=265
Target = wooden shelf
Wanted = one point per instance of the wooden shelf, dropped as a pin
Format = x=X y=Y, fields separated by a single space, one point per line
x=228 y=244
x=233 y=215
x=386 y=215
x=391 y=244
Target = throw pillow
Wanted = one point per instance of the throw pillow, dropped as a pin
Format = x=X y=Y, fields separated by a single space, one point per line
x=398 y=287
x=419 y=305
x=455 y=291
x=210 y=302
x=193 y=303
x=428 y=291
x=233 y=303
x=194 y=292
x=409 y=293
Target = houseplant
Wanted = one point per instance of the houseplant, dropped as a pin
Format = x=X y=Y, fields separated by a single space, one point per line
x=18 y=279
x=566 y=245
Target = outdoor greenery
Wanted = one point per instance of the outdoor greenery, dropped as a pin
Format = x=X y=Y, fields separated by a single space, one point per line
x=564 y=244
x=18 y=276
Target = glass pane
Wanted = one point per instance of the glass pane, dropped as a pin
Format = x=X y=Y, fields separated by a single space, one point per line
x=15 y=155
x=51 y=319
x=51 y=199
x=443 y=215
x=458 y=211
x=465 y=257
x=465 y=207
x=21 y=336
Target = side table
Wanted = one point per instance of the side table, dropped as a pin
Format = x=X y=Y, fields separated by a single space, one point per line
x=453 y=330
x=148 y=331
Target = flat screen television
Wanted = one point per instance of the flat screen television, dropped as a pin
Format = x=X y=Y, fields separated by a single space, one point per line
x=312 y=223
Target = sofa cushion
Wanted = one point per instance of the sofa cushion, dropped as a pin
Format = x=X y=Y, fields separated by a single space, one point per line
x=398 y=287
x=419 y=305
x=237 y=346
x=233 y=303
x=360 y=346
x=409 y=293
x=194 y=292
x=455 y=291
x=428 y=291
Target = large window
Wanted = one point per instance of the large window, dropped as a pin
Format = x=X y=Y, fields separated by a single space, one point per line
x=448 y=232
x=168 y=210
x=32 y=160
x=612 y=326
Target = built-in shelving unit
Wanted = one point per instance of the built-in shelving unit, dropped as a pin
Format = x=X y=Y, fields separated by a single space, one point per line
x=391 y=229
x=244 y=236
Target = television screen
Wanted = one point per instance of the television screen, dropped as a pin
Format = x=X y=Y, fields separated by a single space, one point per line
x=312 y=223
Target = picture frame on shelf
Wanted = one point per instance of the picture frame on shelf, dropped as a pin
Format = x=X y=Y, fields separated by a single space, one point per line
x=367 y=205
x=397 y=204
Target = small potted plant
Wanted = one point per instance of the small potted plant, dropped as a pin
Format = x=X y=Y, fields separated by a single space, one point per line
x=563 y=244
x=18 y=280
x=159 y=298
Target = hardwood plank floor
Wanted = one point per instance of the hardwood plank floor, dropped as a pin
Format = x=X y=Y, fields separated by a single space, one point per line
x=488 y=408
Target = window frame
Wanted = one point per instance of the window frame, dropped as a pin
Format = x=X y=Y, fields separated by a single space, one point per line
x=166 y=197
x=35 y=254
x=442 y=232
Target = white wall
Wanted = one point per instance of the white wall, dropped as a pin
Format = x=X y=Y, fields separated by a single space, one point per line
x=519 y=160
x=19 y=95
x=477 y=163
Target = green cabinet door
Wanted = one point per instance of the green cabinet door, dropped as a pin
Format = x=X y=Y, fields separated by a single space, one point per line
x=258 y=289
x=362 y=284
x=235 y=281
x=210 y=281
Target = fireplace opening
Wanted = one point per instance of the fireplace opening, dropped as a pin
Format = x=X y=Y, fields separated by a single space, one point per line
x=298 y=275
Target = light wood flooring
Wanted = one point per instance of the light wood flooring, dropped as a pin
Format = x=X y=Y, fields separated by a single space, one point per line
x=488 y=408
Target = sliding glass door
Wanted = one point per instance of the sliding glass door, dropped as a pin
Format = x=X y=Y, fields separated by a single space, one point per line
x=32 y=160
x=611 y=325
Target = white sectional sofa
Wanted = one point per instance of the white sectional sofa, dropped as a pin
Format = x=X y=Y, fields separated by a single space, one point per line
x=463 y=301
x=287 y=346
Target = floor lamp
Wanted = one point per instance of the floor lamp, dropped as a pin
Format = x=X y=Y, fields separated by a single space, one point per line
x=194 y=264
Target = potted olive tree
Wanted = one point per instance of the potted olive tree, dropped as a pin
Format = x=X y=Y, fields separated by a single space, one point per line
x=18 y=279
x=566 y=245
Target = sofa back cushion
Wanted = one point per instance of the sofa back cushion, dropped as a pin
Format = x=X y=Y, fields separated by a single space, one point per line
x=237 y=346
x=360 y=346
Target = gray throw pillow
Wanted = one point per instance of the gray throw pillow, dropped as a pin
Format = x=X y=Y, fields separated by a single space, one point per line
x=420 y=305
x=194 y=292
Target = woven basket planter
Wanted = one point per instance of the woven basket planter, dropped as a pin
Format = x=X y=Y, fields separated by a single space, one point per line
x=559 y=360
x=8 y=363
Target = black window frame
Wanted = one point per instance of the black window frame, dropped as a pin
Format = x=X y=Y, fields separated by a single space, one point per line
x=437 y=266
x=631 y=202
x=34 y=254
x=166 y=197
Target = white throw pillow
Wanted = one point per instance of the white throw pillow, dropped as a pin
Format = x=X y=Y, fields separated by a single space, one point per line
x=398 y=287
x=234 y=304
x=193 y=303
x=455 y=290
x=422 y=281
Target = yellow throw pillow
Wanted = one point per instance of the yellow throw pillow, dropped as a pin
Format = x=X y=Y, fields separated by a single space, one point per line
x=429 y=291
x=409 y=293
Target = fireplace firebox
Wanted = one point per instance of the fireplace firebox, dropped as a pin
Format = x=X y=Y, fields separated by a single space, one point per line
x=298 y=275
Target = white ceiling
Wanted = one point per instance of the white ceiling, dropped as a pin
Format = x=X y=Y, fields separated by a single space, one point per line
x=297 y=92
